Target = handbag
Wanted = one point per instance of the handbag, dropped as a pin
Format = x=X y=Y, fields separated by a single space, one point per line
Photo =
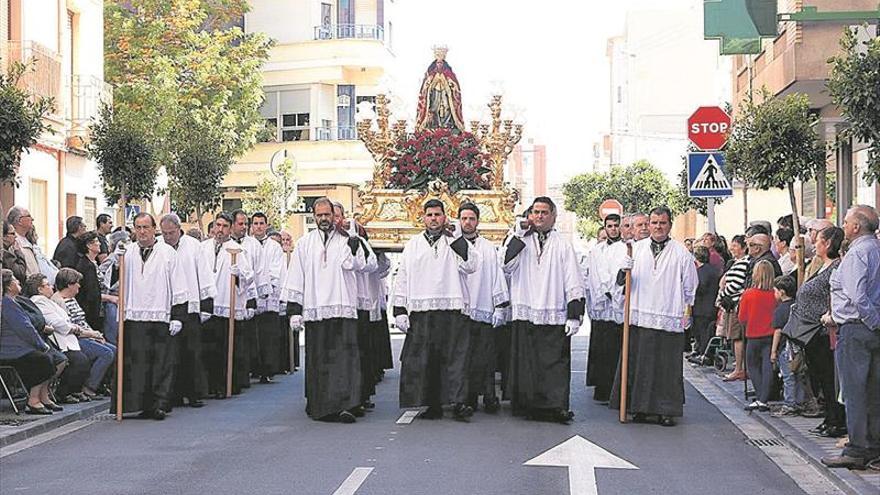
x=794 y=354
x=799 y=329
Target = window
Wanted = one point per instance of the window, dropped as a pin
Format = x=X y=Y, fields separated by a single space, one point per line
x=230 y=205
x=71 y=205
x=90 y=212
x=290 y=109
x=38 y=198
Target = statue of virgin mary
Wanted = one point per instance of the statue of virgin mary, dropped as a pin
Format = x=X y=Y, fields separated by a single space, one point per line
x=440 y=97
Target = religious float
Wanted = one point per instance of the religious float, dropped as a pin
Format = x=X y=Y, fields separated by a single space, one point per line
x=437 y=158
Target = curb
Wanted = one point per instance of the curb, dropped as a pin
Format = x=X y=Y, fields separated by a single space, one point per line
x=844 y=479
x=53 y=422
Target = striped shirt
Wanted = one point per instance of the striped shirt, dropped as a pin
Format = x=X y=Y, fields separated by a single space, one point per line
x=735 y=279
x=76 y=313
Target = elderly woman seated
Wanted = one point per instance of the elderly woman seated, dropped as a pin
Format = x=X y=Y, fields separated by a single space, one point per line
x=92 y=343
x=62 y=333
x=22 y=348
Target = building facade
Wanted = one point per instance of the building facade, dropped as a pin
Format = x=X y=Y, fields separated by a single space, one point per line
x=330 y=58
x=796 y=62
x=63 y=42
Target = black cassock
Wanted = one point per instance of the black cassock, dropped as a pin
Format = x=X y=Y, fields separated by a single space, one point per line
x=190 y=380
x=381 y=344
x=483 y=359
x=540 y=367
x=656 y=384
x=435 y=359
x=333 y=367
x=148 y=367
x=604 y=353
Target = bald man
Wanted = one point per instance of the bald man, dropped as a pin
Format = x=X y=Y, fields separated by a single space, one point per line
x=855 y=308
x=759 y=250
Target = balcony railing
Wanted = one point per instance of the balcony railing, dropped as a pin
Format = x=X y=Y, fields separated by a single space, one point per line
x=350 y=31
x=325 y=133
x=43 y=75
x=87 y=93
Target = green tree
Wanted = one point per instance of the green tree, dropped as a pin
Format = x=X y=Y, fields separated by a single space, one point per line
x=176 y=61
x=274 y=194
x=774 y=144
x=638 y=187
x=196 y=171
x=21 y=120
x=126 y=161
x=854 y=85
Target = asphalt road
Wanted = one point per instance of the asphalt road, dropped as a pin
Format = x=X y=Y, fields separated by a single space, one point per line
x=262 y=443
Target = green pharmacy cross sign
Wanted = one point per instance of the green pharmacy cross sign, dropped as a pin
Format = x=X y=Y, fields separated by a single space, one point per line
x=740 y=24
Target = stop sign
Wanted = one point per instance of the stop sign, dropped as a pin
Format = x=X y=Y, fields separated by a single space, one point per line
x=708 y=128
x=610 y=206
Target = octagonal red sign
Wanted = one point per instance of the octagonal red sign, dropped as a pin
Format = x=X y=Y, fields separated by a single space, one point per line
x=708 y=128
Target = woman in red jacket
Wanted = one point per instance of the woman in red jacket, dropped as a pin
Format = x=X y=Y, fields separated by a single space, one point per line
x=756 y=313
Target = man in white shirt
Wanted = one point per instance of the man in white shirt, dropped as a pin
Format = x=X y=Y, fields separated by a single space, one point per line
x=431 y=304
x=268 y=331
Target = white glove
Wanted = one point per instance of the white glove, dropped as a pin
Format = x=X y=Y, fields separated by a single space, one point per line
x=572 y=327
x=498 y=318
x=352 y=228
x=402 y=323
x=518 y=229
x=296 y=322
x=204 y=317
x=175 y=327
x=627 y=263
x=120 y=249
x=234 y=270
x=249 y=313
x=456 y=229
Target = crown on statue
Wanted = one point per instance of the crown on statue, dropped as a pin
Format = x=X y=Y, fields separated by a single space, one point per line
x=440 y=52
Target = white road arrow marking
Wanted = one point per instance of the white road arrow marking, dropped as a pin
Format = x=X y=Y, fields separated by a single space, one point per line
x=354 y=481
x=582 y=458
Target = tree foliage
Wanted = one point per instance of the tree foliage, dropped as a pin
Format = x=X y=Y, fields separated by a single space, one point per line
x=175 y=61
x=21 y=120
x=854 y=85
x=126 y=161
x=272 y=192
x=638 y=187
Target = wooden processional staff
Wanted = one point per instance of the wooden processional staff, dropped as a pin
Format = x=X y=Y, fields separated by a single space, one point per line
x=120 y=339
x=233 y=252
x=624 y=348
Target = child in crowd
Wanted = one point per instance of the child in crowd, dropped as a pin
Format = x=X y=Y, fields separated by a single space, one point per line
x=788 y=355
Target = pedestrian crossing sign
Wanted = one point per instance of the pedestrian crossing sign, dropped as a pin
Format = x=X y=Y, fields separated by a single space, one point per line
x=706 y=177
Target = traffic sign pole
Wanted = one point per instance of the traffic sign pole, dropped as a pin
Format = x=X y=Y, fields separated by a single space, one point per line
x=710 y=213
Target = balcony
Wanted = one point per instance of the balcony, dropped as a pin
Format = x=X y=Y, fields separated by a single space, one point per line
x=350 y=31
x=87 y=93
x=43 y=75
x=307 y=133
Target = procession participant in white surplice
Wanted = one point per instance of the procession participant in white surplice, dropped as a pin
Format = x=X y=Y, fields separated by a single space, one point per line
x=487 y=289
x=664 y=283
x=321 y=294
x=547 y=306
x=430 y=301
x=269 y=332
x=215 y=331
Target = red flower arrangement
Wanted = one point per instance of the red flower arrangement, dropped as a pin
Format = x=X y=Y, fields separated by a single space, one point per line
x=430 y=154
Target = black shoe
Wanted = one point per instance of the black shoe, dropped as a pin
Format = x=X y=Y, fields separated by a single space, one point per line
x=491 y=404
x=69 y=399
x=833 y=432
x=159 y=414
x=432 y=412
x=819 y=429
x=640 y=418
x=368 y=405
x=345 y=417
x=145 y=414
x=562 y=416
x=461 y=412
x=666 y=421
x=266 y=379
x=196 y=403
x=357 y=412
x=844 y=461
x=220 y=395
x=53 y=407
x=38 y=411
x=82 y=397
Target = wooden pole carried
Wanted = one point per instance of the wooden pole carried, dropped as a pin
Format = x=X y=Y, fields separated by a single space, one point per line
x=624 y=348
x=230 y=347
x=120 y=339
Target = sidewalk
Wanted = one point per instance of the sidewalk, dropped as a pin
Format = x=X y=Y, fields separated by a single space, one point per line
x=794 y=431
x=16 y=428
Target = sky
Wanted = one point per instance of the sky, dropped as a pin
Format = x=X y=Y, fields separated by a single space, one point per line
x=548 y=58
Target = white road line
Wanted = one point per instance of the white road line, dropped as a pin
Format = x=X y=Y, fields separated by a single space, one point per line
x=354 y=481
x=44 y=437
x=407 y=417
